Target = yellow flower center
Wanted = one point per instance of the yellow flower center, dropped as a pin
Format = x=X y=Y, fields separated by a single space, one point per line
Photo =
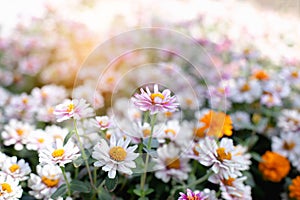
x=168 y=114
x=58 y=153
x=5 y=187
x=14 y=168
x=189 y=102
x=70 y=107
x=50 y=110
x=169 y=130
x=288 y=145
x=50 y=182
x=295 y=74
x=41 y=140
x=154 y=95
x=222 y=155
x=228 y=182
x=20 y=131
x=146 y=132
x=25 y=100
x=172 y=163
x=246 y=87
x=117 y=153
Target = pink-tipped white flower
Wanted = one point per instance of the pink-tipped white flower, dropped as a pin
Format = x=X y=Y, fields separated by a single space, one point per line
x=75 y=108
x=155 y=102
x=103 y=122
x=115 y=157
x=197 y=195
x=59 y=154
x=16 y=133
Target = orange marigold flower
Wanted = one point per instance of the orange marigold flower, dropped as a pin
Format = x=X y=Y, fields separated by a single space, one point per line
x=294 y=188
x=261 y=75
x=216 y=124
x=274 y=166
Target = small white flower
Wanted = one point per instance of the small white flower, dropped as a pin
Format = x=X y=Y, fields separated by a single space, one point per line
x=241 y=120
x=287 y=145
x=18 y=170
x=56 y=132
x=76 y=109
x=9 y=187
x=38 y=139
x=289 y=120
x=46 y=182
x=103 y=122
x=49 y=94
x=170 y=164
x=16 y=133
x=245 y=91
x=59 y=154
x=115 y=157
x=225 y=159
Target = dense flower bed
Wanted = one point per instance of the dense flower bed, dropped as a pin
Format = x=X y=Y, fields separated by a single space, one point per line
x=149 y=114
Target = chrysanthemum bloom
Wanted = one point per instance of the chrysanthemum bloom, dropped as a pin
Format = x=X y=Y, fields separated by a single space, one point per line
x=155 y=102
x=75 y=108
x=115 y=157
x=261 y=75
x=243 y=90
x=225 y=158
x=289 y=120
x=190 y=195
x=56 y=132
x=103 y=122
x=38 y=139
x=232 y=188
x=294 y=188
x=59 y=154
x=241 y=120
x=46 y=182
x=16 y=133
x=170 y=164
x=215 y=124
x=9 y=187
x=274 y=167
x=18 y=170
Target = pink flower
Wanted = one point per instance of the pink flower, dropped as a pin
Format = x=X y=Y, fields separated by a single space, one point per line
x=76 y=109
x=192 y=195
x=155 y=102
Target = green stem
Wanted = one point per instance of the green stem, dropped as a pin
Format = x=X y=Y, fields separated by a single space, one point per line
x=66 y=180
x=144 y=175
x=84 y=155
x=95 y=174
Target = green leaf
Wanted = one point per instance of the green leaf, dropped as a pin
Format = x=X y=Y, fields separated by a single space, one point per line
x=138 y=192
x=250 y=180
x=61 y=191
x=256 y=156
x=149 y=191
x=111 y=184
x=80 y=186
x=78 y=162
x=251 y=141
x=103 y=194
x=70 y=134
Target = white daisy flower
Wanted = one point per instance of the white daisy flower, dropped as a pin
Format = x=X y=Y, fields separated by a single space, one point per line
x=46 y=182
x=76 y=109
x=18 y=170
x=224 y=158
x=59 y=154
x=88 y=92
x=56 y=132
x=245 y=91
x=287 y=145
x=16 y=133
x=102 y=122
x=3 y=158
x=115 y=157
x=38 y=139
x=271 y=100
x=49 y=94
x=241 y=120
x=280 y=88
x=9 y=188
x=171 y=164
x=232 y=188
x=45 y=114
x=289 y=120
